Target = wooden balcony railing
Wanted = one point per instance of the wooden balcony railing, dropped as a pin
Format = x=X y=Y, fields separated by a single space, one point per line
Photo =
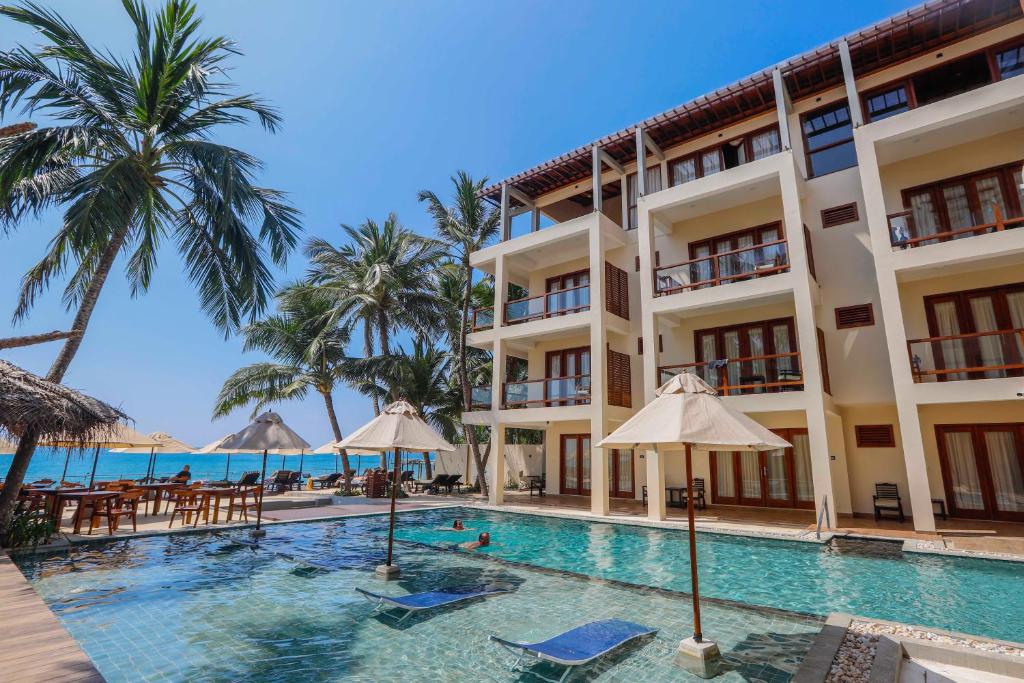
x=480 y=397
x=748 y=375
x=556 y=391
x=904 y=232
x=979 y=355
x=482 y=319
x=718 y=269
x=561 y=302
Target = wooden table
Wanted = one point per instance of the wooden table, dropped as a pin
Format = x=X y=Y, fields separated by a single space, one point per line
x=158 y=489
x=674 y=496
x=84 y=498
x=214 y=493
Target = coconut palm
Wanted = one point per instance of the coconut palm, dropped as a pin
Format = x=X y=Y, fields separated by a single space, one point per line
x=308 y=352
x=466 y=225
x=130 y=158
x=378 y=281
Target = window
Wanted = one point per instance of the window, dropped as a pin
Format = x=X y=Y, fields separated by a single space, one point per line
x=828 y=134
x=1010 y=62
x=882 y=105
x=951 y=79
x=757 y=145
x=653 y=184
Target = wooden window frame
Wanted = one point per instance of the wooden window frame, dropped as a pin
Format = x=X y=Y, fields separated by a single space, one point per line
x=808 y=152
x=849 y=326
x=745 y=352
x=736 y=234
x=698 y=155
x=888 y=442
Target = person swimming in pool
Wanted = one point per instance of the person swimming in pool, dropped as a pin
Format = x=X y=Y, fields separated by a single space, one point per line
x=458 y=526
x=482 y=541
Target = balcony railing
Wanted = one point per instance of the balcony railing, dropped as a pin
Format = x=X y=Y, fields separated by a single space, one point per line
x=480 y=397
x=483 y=318
x=748 y=375
x=905 y=233
x=558 y=391
x=980 y=355
x=718 y=269
x=561 y=302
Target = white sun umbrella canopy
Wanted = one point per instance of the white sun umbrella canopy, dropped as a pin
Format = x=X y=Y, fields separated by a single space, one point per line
x=168 y=444
x=687 y=414
x=267 y=433
x=332 y=447
x=398 y=427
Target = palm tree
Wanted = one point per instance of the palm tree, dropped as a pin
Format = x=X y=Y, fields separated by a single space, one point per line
x=131 y=160
x=379 y=281
x=424 y=379
x=309 y=350
x=466 y=225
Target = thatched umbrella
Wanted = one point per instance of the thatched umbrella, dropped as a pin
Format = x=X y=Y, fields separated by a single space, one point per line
x=51 y=411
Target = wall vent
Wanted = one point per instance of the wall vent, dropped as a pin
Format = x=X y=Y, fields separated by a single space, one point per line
x=862 y=315
x=875 y=436
x=839 y=215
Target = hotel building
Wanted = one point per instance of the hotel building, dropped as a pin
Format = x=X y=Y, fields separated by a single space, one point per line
x=832 y=242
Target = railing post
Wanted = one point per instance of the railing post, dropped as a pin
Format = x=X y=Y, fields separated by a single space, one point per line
x=716 y=271
x=910 y=357
x=999 y=217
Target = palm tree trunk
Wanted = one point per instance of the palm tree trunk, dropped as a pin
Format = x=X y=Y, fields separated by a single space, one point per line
x=467 y=394
x=29 y=439
x=368 y=353
x=336 y=428
x=427 y=473
x=382 y=332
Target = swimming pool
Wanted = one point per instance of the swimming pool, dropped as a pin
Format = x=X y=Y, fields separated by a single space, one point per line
x=870 y=578
x=200 y=607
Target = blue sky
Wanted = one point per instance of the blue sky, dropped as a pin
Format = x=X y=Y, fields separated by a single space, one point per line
x=381 y=100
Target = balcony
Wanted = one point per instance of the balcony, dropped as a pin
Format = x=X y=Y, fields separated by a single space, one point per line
x=979 y=355
x=743 y=376
x=482 y=319
x=480 y=397
x=546 y=393
x=718 y=269
x=906 y=232
x=561 y=302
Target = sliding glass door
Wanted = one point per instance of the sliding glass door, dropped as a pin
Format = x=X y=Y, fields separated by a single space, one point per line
x=575 y=465
x=983 y=470
x=779 y=478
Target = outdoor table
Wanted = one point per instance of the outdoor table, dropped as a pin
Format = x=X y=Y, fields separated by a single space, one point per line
x=214 y=494
x=51 y=498
x=674 y=496
x=84 y=498
x=157 y=489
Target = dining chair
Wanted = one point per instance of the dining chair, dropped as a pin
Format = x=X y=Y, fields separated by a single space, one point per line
x=243 y=499
x=114 y=508
x=186 y=503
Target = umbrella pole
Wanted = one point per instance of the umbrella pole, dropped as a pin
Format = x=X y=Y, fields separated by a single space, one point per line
x=227 y=469
x=259 y=506
x=95 y=460
x=394 y=497
x=302 y=457
x=64 y=475
x=695 y=591
x=150 y=465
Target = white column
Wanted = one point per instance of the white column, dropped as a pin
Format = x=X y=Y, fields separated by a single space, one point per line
x=783 y=106
x=648 y=323
x=895 y=337
x=807 y=340
x=641 y=160
x=856 y=115
x=595 y=161
x=598 y=373
x=655 y=486
x=505 y=214
x=496 y=466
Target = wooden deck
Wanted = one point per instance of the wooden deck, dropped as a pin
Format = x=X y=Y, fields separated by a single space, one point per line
x=34 y=646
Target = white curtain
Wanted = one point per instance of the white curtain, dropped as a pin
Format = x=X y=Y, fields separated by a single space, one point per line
x=926 y=221
x=707 y=350
x=1015 y=302
x=990 y=347
x=683 y=170
x=758 y=367
x=724 y=475
x=964 y=471
x=802 y=466
x=958 y=208
x=712 y=162
x=625 y=470
x=569 y=465
x=990 y=194
x=732 y=350
x=633 y=190
x=653 y=179
x=586 y=464
x=765 y=144
x=1004 y=463
x=750 y=467
x=953 y=355
x=1018 y=182
x=702 y=270
x=778 y=483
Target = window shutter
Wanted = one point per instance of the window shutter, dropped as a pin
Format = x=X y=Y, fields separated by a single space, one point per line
x=636 y=263
x=639 y=346
x=619 y=393
x=617 y=291
x=826 y=381
x=839 y=215
x=661 y=344
x=875 y=436
x=862 y=315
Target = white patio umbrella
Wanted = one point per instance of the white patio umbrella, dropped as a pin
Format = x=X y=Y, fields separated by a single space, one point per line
x=398 y=427
x=266 y=433
x=167 y=444
x=688 y=414
x=120 y=436
x=332 y=447
x=214 y=447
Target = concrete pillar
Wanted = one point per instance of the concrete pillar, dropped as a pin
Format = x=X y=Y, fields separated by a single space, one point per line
x=648 y=323
x=655 y=486
x=783 y=106
x=598 y=373
x=856 y=115
x=496 y=466
x=595 y=161
x=895 y=336
x=807 y=340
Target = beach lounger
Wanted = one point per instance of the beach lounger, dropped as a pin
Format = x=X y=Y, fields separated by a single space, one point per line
x=579 y=646
x=419 y=602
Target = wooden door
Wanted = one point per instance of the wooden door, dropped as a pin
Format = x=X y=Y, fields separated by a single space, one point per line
x=983 y=470
x=620 y=473
x=568 y=375
x=575 y=464
x=780 y=478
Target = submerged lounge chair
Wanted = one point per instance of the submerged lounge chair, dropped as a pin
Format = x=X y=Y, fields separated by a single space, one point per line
x=578 y=646
x=419 y=602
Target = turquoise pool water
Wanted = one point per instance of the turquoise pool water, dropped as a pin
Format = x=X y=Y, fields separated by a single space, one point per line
x=877 y=579
x=200 y=607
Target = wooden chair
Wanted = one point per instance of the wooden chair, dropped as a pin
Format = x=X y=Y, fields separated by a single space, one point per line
x=188 y=502
x=699 y=501
x=887 y=499
x=114 y=508
x=245 y=498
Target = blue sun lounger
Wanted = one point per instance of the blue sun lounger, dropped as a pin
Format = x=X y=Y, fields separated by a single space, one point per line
x=578 y=646
x=419 y=602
